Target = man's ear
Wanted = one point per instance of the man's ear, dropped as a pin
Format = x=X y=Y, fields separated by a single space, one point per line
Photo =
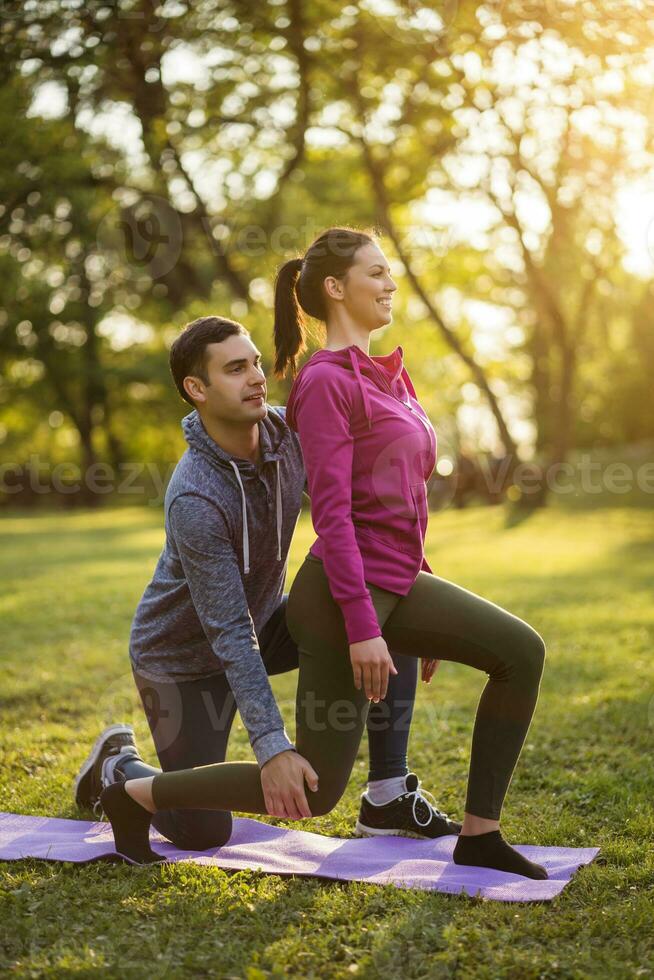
x=194 y=388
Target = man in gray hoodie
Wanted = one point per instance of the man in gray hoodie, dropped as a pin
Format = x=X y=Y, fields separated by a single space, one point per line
x=210 y=628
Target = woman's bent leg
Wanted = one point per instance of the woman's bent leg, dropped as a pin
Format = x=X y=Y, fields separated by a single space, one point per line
x=440 y=619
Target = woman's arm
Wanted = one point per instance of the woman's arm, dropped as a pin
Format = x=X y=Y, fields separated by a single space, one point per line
x=323 y=408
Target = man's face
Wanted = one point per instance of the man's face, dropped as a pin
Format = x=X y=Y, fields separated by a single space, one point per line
x=237 y=386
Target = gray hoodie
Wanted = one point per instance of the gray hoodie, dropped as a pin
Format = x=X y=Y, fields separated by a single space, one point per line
x=220 y=576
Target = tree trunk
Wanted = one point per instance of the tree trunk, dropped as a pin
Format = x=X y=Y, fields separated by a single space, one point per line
x=563 y=408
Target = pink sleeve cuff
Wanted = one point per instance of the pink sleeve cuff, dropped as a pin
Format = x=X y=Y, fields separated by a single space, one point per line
x=360 y=619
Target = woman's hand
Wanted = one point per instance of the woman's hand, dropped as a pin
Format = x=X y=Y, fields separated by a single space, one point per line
x=371 y=665
x=428 y=669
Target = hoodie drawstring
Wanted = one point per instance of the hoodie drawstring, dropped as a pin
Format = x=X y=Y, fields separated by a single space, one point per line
x=279 y=517
x=364 y=393
x=246 y=537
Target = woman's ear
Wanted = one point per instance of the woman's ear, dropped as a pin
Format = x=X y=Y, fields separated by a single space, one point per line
x=333 y=287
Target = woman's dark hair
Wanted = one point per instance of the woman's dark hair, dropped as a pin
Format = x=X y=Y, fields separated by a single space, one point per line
x=188 y=354
x=299 y=289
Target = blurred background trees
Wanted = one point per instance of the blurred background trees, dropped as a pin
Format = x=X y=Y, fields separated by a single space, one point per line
x=161 y=160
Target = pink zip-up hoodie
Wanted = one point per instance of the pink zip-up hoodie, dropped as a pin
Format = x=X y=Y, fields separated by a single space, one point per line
x=368 y=450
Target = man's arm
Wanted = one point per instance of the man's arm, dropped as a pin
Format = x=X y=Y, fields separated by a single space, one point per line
x=212 y=571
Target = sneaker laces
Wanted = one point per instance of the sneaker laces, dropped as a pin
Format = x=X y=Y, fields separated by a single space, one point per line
x=420 y=796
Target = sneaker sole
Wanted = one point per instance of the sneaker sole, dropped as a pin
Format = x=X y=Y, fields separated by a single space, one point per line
x=361 y=830
x=92 y=757
x=140 y=864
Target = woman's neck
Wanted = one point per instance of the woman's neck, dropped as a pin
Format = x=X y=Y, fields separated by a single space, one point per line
x=344 y=332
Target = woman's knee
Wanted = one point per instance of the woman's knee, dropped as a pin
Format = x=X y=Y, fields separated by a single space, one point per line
x=522 y=657
x=532 y=655
x=325 y=798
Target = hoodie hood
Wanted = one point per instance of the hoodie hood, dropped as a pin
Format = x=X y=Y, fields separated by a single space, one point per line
x=273 y=432
x=357 y=362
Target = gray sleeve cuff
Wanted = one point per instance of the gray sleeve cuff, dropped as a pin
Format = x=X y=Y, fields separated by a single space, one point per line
x=271 y=744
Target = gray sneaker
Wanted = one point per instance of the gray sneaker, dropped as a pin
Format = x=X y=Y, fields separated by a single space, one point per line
x=114 y=740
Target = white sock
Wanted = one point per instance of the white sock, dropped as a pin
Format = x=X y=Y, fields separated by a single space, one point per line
x=382 y=791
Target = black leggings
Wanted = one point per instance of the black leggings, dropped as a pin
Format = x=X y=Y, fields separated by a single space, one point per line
x=436 y=619
x=190 y=724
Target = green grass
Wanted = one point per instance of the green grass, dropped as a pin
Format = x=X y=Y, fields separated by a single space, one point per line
x=582 y=578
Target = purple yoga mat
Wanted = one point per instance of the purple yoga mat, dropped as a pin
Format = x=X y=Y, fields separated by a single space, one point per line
x=400 y=861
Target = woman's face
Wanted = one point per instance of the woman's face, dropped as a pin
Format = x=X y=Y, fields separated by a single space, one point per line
x=366 y=290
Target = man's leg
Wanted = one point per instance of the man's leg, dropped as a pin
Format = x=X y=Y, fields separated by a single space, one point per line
x=190 y=724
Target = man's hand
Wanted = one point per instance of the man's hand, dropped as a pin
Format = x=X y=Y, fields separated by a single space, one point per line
x=428 y=669
x=282 y=782
x=371 y=665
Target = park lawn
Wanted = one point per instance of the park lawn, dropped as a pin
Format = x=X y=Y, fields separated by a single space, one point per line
x=582 y=578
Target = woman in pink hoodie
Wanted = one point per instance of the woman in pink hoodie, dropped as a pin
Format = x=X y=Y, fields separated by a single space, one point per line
x=365 y=593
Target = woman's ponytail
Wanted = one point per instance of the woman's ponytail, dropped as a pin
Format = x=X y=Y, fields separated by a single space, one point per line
x=289 y=330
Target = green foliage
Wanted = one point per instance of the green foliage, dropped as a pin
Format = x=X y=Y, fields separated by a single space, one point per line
x=198 y=146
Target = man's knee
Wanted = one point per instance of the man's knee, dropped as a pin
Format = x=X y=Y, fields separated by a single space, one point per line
x=201 y=830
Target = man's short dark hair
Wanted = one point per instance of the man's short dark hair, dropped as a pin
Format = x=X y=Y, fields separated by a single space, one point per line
x=188 y=354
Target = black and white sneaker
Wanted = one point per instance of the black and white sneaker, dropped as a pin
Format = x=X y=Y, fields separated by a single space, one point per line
x=408 y=815
x=114 y=740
